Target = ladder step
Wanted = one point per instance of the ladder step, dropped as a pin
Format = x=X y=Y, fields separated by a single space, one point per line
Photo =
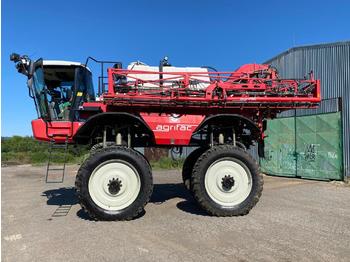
x=54 y=182
x=53 y=146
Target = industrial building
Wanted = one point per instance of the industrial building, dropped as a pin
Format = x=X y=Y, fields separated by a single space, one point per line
x=313 y=143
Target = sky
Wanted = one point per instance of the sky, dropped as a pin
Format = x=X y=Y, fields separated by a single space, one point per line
x=222 y=34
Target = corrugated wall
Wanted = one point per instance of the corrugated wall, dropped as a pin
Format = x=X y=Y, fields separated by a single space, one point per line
x=331 y=64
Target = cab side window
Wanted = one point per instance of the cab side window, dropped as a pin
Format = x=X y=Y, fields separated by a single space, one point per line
x=84 y=91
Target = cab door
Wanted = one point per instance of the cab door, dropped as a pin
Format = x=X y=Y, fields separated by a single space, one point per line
x=46 y=127
x=38 y=90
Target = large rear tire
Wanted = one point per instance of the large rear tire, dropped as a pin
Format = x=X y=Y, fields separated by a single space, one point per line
x=114 y=183
x=226 y=181
x=188 y=165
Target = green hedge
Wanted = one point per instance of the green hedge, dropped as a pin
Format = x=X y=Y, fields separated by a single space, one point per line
x=26 y=150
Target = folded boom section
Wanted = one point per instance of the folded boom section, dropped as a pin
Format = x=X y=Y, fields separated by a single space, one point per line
x=249 y=86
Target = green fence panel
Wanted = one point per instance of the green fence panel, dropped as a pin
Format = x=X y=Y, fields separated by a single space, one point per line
x=280 y=148
x=319 y=146
x=305 y=146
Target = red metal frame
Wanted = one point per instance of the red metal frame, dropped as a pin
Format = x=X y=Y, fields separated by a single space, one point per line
x=172 y=130
x=253 y=91
x=58 y=131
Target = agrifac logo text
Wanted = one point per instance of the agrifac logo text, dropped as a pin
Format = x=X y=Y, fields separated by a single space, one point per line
x=174 y=127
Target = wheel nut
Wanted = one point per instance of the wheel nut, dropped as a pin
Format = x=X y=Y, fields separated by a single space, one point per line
x=114 y=186
x=227 y=182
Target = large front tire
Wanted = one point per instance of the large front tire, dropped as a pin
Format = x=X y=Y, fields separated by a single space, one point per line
x=99 y=146
x=226 y=181
x=114 y=183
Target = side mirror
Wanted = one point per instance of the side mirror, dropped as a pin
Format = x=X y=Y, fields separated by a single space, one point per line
x=15 y=57
x=23 y=63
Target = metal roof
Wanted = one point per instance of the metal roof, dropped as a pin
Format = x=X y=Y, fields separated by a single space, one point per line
x=62 y=63
x=293 y=49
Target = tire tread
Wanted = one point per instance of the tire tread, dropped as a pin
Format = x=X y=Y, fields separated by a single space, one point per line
x=201 y=196
x=84 y=198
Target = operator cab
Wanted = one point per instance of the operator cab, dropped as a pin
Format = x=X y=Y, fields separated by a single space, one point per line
x=58 y=88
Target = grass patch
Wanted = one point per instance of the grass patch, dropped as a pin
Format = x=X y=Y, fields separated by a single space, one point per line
x=167 y=163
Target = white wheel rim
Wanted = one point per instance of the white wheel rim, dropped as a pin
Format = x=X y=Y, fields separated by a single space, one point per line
x=241 y=188
x=100 y=180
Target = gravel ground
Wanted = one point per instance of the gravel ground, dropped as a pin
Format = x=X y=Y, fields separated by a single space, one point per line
x=295 y=220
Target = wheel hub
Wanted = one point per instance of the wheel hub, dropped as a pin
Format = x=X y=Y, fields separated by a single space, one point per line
x=114 y=186
x=227 y=182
